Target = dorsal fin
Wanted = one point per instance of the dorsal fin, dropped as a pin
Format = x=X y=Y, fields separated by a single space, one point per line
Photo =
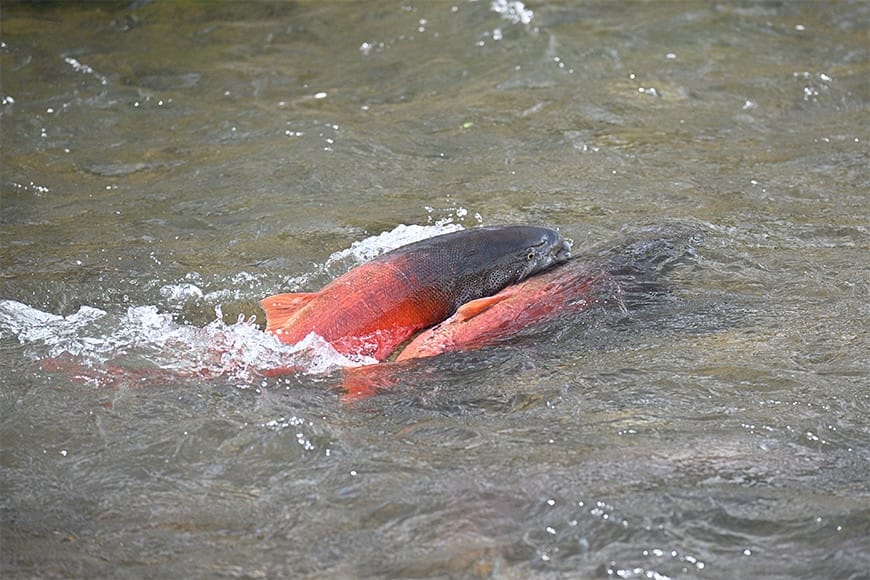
x=280 y=308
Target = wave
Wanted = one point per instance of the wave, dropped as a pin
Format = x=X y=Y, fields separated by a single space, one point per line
x=101 y=345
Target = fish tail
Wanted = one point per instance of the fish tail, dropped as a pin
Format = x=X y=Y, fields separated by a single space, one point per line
x=281 y=308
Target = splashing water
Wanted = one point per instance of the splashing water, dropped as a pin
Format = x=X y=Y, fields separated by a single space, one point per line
x=369 y=248
x=513 y=11
x=402 y=235
x=144 y=337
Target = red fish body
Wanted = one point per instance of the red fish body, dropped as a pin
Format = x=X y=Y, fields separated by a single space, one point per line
x=375 y=307
x=619 y=273
x=567 y=289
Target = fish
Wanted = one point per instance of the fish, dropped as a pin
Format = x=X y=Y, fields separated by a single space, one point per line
x=566 y=290
x=373 y=308
x=623 y=273
x=603 y=277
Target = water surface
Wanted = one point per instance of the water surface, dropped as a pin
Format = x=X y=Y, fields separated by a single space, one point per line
x=167 y=164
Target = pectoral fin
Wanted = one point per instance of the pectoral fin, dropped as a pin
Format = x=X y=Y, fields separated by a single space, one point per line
x=280 y=308
x=471 y=309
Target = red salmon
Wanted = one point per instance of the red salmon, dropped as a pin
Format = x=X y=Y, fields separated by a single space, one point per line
x=627 y=270
x=567 y=289
x=570 y=288
x=374 y=308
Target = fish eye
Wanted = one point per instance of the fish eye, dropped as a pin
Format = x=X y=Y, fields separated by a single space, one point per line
x=531 y=255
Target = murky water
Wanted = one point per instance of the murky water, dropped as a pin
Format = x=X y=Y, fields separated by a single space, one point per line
x=161 y=160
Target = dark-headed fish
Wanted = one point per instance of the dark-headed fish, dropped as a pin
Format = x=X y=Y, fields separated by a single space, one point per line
x=583 y=282
x=625 y=272
x=375 y=307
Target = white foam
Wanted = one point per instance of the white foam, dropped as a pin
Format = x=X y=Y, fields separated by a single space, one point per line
x=369 y=248
x=513 y=11
x=59 y=333
x=180 y=292
x=145 y=336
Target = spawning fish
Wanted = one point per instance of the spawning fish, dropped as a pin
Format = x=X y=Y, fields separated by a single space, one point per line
x=568 y=289
x=626 y=271
x=375 y=307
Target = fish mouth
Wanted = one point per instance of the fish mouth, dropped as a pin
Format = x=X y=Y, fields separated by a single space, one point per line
x=559 y=251
x=556 y=250
x=562 y=251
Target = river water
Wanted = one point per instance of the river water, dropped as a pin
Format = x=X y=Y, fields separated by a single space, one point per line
x=167 y=164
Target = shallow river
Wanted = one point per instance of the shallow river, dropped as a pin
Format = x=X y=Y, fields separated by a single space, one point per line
x=167 y=164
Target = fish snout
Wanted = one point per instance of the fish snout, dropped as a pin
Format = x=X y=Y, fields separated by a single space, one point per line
x=558 y=254
x=557 y=249
x=562 y=252
x=552 y=249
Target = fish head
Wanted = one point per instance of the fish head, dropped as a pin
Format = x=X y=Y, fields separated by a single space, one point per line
x=511 y=254
x=550 y=249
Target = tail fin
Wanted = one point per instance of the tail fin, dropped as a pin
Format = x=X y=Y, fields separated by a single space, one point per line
x=280 y=308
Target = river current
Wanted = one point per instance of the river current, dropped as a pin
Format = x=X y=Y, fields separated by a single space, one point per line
x=165 y=165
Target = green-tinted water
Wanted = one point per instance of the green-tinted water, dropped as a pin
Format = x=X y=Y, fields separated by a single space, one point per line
x=170 y=157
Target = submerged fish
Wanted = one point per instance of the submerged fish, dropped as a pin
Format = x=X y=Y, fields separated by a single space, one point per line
x=621 y=273
x=626 y=267
x=570 y=288
x=374 y=308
